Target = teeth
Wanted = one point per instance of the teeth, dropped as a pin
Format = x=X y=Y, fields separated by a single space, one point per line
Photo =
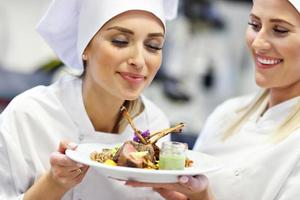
x=268 y=61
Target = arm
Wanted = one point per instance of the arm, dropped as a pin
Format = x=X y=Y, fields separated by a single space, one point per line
x=22 y=168
x=45 y=185
x=63 y=175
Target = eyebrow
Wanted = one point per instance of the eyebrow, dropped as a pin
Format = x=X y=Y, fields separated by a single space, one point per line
x=121 y=29
x=125 y=30
x=281 y=21
x=156 y=35
x=274 y=20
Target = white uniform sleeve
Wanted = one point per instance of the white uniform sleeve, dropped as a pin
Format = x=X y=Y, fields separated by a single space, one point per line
x=290 y=189
x=8 y=189
x=17 y=168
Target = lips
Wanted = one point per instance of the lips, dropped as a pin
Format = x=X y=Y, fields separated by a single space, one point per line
x=132 y=78
x=267 y=62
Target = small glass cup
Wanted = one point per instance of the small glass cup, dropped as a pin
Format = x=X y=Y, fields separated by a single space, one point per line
x=172 y=156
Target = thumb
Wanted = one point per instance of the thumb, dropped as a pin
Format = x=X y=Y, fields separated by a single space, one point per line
x=65 y=144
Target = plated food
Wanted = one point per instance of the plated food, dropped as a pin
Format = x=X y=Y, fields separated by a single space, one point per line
x=141 y=151
x=140 y=159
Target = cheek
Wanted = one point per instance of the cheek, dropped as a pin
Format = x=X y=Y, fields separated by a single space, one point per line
x=154 y=63
x=106 y=56
x=293 y=57
x=290 y=51
x=250 y=37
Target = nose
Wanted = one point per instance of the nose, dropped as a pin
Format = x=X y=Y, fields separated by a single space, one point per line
x=261 y=42
x=137 y=59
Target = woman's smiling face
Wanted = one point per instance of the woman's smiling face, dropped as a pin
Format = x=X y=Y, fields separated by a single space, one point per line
x=124 y=56
x=273 y=37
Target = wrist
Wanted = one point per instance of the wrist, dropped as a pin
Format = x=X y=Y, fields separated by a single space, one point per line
x=54 y=184
x=45 y=188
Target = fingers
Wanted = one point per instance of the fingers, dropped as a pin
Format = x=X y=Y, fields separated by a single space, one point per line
x=166 y=190
x=62 y=171
x=62 y=160
x=186 y=185
x=141 y=184
x=66 y=172
x=170 y=195
x=194 y=183
x=79 y=172
x=167 y=186
x=70 y=179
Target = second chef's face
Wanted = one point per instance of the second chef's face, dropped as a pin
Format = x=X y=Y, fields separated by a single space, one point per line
x=273 y=37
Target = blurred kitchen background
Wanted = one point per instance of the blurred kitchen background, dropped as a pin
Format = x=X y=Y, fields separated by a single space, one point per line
x=206 y=58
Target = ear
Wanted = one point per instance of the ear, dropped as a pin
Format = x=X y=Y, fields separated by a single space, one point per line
x=85 y=53
x=84 y=56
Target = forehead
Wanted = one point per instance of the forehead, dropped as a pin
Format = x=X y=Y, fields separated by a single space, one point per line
x=276 y=9
x=136 y=17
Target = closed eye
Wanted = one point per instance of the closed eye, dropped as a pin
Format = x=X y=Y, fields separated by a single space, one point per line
x=120 y=43
x=280 y=30
x=254 y=26
x=154 y=47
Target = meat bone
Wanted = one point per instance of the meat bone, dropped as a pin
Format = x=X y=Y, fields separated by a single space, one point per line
x=153 y=137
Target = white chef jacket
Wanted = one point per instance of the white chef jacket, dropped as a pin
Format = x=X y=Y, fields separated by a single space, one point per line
x=32 y=126
x=253 y=168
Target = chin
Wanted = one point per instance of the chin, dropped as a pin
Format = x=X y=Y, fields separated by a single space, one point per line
x=261 y=81
x=132 y=93
x=262 y=84
x=131 y=96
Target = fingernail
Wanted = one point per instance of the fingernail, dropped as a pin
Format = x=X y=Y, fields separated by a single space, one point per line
x=183 y=179
x=79 y=165
x=72 y=145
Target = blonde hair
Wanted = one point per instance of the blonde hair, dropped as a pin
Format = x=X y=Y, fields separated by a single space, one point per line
x=259 y=104
x=134 y=108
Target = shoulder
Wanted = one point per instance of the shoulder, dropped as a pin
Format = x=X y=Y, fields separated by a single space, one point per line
x=228 y=110
x=37 y=101
x=221 y=116
x=233 y=105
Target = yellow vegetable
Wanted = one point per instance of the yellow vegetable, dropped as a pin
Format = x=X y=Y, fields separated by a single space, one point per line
x=110 y=162
x=139 y=154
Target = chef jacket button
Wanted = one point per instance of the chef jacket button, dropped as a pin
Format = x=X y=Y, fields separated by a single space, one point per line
x=236 y=172
x=81 y=137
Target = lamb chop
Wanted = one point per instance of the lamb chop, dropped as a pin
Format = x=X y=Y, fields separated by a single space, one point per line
x=146 y=143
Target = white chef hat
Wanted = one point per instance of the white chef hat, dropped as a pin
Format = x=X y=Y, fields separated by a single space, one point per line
x=296 y=4
x=69 y=25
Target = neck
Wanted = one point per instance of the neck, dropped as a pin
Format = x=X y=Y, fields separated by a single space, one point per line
x=279 y=95
x=102 y=108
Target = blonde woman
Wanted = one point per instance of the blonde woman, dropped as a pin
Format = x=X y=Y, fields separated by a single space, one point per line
x=256 y=139
x=117 y=47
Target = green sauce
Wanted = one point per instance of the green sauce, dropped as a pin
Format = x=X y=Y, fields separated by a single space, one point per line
x=172 y=162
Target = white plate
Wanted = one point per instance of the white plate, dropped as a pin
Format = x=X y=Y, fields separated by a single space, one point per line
x=202 y=165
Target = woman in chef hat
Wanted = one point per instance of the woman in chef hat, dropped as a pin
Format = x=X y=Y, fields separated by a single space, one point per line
x=116 y=45
x=255 y=138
